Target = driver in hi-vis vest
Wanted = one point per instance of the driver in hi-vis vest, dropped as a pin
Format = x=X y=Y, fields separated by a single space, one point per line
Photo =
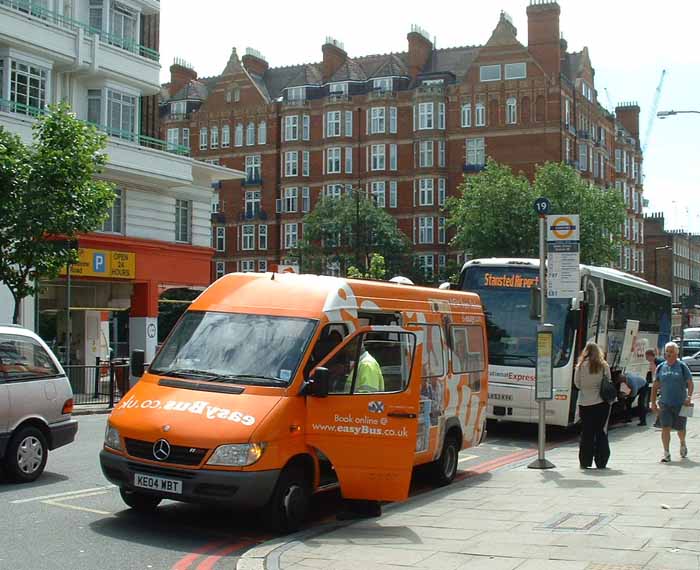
x=369 y=375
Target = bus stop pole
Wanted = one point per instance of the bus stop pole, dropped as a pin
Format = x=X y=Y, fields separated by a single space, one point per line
x=541 y=462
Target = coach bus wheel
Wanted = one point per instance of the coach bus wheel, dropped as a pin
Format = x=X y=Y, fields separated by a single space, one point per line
x=287 y=509
x=140 y=501
x=445 y=468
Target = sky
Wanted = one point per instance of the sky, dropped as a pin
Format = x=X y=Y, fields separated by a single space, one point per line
x=629 y=42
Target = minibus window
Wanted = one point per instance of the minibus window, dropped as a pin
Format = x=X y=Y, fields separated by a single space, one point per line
x=227 y=347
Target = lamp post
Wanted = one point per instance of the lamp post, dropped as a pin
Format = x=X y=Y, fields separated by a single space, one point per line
x=656 y=270
x=664 y=114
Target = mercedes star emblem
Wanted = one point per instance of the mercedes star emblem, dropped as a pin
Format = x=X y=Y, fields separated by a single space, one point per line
x=161 y=450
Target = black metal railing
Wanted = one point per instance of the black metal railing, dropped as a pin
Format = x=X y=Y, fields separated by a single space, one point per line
x=100 y=384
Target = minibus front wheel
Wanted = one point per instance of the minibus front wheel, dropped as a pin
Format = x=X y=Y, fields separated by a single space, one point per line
x=289 y=505
x=139 y=501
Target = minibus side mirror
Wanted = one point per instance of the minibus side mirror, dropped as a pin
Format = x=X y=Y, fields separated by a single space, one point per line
x=318 y=384
x=138 y=359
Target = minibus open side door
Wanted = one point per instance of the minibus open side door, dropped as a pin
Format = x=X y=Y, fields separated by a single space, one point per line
x=362 y=406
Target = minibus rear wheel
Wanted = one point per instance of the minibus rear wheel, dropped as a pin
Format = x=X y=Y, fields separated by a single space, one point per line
x=289 y=505
x=445 y=468
x=139 y=501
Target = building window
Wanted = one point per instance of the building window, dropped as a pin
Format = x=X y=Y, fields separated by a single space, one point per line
x=252 y=167
x=238 y=135
x=305 y=163
x=480 y=115
x=340 y=88
x=173 y=138
x=441 y=115
x=378 y=152
x=425 y=116
x=476 y=154
x=490 y=73
x=247 y=265
x=515 y=71
x=182 y=221
x=567 y=112
x=442 y=191
x=225 y=136
x=382 y=84
x=348 y=160
x=333 y=124
x=441 y=154
x=290 y=236
x=291 y=163
x=262 y=132
x=511 y=111
x=305 y=127
x=291 y=127
x=220 y=269
x=393 y=121
x=186 y=137
x=378 y=191
x=220 y=243
x=334 y=190
x=290 y=200
x=121 y=114
x=466 y=115
x=393 y=157
x=113 y=224
x=250 y=134
x=262 y=265
x=425 y=191
x=378 y=120
x=348 y=123
x=94 y=114
x=333 y=161
x=252 y=203
x=441 y=230
x=95 y=14
x=203 y=138
x=426 y=263
x=122 y=25
x=262 y=237
x=296 y=93
x=425 y=229
x=214 y=141
x=305 y=199
x=425 y=154
x=582 y=157
x=247 y=237
x=393 y=194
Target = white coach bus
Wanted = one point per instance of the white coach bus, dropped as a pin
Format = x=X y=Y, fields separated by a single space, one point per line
x=608 y=301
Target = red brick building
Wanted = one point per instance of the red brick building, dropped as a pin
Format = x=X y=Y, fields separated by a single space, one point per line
x=404 y=127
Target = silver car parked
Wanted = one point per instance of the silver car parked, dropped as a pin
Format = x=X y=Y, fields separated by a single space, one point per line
x=36 y=402
x=693 y=362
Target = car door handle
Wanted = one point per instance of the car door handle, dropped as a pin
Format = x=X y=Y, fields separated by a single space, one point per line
x=408 y=415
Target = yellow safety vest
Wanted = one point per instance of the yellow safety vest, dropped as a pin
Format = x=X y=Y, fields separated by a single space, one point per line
x=369 y=375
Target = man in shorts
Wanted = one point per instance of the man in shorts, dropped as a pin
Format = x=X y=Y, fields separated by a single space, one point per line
x=675 y=381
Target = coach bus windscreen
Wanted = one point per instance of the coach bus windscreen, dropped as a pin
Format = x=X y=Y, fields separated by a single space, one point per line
x=512 y=334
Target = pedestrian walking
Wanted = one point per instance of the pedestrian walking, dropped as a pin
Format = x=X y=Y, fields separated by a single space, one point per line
x=675 y=381
x=593 y=410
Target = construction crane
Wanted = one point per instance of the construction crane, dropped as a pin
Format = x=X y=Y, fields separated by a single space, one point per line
x=652 y=113
x=610 y=103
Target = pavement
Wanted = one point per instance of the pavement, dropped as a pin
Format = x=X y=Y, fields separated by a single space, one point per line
x=636 y=514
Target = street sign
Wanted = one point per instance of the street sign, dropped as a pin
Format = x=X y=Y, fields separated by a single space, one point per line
x=563 y=270
x=543 y=383
x=542 y=206
x=103 y=263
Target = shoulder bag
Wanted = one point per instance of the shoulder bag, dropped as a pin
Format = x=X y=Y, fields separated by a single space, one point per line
x=608 y=391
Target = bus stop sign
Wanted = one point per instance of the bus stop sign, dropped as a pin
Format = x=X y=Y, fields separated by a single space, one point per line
x=542 y=206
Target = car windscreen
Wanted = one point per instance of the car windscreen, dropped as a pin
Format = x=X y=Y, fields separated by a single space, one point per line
x=235 y=348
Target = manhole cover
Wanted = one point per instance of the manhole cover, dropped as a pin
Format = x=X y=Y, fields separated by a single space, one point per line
x=576 y=522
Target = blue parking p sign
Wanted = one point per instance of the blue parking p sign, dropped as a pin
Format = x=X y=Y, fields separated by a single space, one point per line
x=99 y=262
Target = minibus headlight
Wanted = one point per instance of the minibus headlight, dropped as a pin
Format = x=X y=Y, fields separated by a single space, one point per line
x=237 y=454
x=112 y=439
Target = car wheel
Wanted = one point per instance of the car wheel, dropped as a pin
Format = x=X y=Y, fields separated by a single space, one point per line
x=140 y=501
x=445 y=468
x=289 y=505
x=26 y=455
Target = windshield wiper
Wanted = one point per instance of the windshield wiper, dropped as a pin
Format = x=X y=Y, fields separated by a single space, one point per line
x=253 y=379
x=186 y=373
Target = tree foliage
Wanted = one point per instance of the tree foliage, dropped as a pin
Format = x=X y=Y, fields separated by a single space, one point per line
x=494 y=216
x=348 y=231
x=48 y=189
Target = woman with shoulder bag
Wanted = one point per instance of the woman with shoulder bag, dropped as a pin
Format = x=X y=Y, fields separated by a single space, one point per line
x=593 y=409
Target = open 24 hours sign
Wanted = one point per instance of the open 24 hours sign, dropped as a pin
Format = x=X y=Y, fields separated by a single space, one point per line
x=103 y=263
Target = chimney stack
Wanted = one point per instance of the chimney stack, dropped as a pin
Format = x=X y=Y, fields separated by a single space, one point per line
x=628 y=115
x=543 y=39
x=334 y=57
x=181 y=73
x=420 y=48
x=254 y=62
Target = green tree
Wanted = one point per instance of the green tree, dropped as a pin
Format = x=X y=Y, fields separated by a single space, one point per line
x=494 y=214
x=47 y=189
x=348 y=231
x=377 y=269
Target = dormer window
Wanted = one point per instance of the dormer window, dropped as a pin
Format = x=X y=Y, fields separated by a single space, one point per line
x=490 y=73
x=178 y=107
x=432 y=82
x=586 y=91
x=296 y=93
x=383 y=84
x=340 y=88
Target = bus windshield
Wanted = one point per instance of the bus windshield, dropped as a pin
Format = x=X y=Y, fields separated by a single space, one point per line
x=512 y=334
x=235 y=348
